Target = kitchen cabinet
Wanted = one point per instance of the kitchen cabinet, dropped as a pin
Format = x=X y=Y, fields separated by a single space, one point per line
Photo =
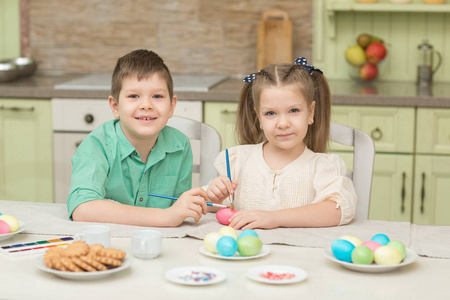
x=222 y=116
x=9 y=29
x=26 y=155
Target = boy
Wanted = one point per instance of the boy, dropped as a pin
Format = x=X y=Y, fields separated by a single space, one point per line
x=135 y=154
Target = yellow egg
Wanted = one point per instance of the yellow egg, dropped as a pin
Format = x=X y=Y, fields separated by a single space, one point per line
x=12 y=222
x=386 y=255
x=352 y=239
x=210 y=241
x=229 y=231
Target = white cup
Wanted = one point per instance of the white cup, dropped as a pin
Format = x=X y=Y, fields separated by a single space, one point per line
x=146 y=244
x=95 y=234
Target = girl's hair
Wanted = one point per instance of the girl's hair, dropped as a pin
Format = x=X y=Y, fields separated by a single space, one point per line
x=313 y=87
x=141 y=64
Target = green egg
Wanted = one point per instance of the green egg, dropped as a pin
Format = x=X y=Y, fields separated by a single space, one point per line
x=362 y=255
x=399 y=246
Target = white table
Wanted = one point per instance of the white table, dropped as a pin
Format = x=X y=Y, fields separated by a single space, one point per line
x=21 y=279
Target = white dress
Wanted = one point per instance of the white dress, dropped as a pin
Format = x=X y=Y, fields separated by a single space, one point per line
x=310 y=178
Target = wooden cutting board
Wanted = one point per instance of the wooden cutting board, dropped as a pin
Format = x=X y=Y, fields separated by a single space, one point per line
x=274 y=38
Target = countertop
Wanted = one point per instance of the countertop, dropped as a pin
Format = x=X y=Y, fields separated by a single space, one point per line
x=344 y=92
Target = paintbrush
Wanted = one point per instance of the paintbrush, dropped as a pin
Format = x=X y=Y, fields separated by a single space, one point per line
x=229 y=177
x=175 y=198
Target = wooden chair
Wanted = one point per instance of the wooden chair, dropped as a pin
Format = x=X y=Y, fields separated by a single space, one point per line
x=363 y=159
x=206 y=145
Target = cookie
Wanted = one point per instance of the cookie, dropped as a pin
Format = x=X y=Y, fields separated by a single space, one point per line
x=111 y=253
x=83 y=265
x=68 y=263
x=94 y=263
x=108 y=261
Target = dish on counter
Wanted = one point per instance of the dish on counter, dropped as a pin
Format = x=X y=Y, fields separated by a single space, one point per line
x=195 y=275
x=265 y=250
x=6 y=236
x=277 y=274
x=83 y=276
x=411 y=257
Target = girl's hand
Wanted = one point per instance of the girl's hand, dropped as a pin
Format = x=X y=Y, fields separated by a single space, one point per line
x=191 y=204
x=220 y=189
x=251 y=219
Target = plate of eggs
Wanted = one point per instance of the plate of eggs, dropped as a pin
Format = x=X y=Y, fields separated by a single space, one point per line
x=10 y=226
x=378 y=255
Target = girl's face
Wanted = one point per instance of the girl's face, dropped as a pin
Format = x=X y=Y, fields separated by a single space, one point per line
x=144 y=107
x=284 y=115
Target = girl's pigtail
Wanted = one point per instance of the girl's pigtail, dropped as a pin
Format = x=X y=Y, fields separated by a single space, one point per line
x=247 y=123
x=319 y=131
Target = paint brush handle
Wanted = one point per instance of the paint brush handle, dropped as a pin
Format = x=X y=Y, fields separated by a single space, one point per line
x=175 y=198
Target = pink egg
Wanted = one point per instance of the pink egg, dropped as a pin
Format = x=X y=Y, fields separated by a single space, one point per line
x=372 y=245
x=224 y=215
x=4 y=227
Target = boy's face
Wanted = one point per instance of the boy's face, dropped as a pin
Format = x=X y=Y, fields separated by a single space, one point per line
x=144 y=107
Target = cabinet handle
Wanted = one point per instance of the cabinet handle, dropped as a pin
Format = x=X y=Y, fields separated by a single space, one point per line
x=422 y=194
x=376 y=134
x=226 y=111
x=403 y=192
x=15 y=108
x=89 y=118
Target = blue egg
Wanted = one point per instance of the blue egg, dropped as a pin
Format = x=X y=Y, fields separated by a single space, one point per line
x=380 y=238
x=226 y=246
x=248 y=232
x=342 y=250
x=1 y=214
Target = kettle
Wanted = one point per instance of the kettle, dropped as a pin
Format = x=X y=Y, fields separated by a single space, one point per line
x=425 y=68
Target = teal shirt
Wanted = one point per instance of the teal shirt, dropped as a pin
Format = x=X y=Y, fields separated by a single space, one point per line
x=107 y=166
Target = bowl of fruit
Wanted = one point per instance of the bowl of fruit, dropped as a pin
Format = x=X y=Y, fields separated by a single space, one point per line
x=366 y=57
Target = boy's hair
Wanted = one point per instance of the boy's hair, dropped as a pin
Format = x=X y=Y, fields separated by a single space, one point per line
x=141 y=64
x=313 y=87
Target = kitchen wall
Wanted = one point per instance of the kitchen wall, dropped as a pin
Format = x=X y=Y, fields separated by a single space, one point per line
x=193 y=36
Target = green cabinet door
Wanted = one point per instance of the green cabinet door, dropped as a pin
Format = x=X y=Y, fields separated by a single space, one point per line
x=26 y=156
x=222 y=116
x=9 y=29
x=431 y=190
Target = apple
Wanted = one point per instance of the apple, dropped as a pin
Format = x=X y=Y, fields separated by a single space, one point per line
x=355 y=55
x=249 y=245
x=376 y=52
x=364 y=40
x=224 y=215
x=368 y=71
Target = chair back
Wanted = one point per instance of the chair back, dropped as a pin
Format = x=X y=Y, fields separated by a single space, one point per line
x=363 y=160
x=206 y=145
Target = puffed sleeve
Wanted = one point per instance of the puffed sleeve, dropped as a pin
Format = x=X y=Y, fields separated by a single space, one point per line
x=331 y=183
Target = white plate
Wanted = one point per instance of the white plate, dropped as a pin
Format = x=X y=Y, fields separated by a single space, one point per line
x=291 y=274
x=194 y=275
x=6 y=236
x=264 y=251
x=83 y=275
x=411 y=257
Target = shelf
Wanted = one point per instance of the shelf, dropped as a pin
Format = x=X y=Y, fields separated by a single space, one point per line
x=388 y=7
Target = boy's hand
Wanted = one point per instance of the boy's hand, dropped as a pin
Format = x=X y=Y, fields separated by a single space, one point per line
x=221 y=188
x=191 y=204
x=251 y=219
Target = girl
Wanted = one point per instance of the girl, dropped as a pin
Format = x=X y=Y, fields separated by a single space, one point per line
x=281 y=174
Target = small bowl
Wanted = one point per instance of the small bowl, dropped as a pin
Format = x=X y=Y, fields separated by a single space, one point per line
x=8 y=71
x=27 y=66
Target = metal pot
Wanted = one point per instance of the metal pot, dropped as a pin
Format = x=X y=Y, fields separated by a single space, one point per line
x=8 y=71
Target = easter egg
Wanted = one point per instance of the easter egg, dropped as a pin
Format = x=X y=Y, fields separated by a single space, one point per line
x=372 y=245
x=380 y=238
x=223 y=215
x=210 y=241
x=386 y=255
x=12 y=222
x=249 y=245
x=342 y=250
x=1 y=214
x=227 y=246
x=4 y=227
x=362 y=255
x=399 y=246
x=352 y=239
x=247 y=232
x=229 y=231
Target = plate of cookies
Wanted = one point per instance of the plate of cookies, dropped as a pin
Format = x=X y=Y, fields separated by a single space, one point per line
x=79 y=261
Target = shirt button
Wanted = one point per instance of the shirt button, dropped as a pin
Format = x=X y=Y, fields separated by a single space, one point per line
x=135 y=153
x=141 y=199
x=275 y=186
x=277 y=172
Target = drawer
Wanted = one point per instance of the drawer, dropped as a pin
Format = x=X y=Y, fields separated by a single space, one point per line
x=391 y=128
x=81 y=115
x=433 y=131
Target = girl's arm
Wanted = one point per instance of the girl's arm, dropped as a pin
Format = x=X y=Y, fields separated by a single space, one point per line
x=322 y=214
x=190 y=204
